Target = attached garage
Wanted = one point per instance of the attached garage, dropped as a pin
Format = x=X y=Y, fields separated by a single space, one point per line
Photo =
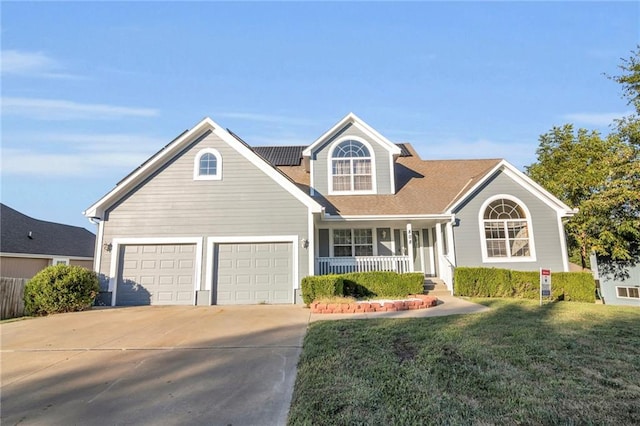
x=156 y=274
x=253 y=272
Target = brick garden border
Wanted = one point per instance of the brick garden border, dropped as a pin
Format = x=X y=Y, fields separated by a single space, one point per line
x=413 y=301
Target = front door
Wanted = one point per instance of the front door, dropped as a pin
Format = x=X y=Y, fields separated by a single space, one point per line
x=417 y=250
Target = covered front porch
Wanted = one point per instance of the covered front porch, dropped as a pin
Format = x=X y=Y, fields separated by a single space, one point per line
x=424 y=245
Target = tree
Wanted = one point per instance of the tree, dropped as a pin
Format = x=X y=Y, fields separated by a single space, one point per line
x=601 y=177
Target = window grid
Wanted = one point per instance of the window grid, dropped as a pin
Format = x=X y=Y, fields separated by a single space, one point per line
x=628 y=292
x=506 y=230
x=208 y=165
x=351 y=167
x=352 y=242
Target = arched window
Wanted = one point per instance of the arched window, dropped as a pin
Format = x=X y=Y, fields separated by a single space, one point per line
x=506 y=230
x=207 y=165
x=351 y=167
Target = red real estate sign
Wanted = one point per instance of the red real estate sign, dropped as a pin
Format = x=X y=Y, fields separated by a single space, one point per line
x=545 y=282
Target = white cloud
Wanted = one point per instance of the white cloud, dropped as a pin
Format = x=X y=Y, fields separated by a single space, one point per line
x=58 y=109
x=32 y=163
x=73 y=155
x=34 y=64
x=595 y=119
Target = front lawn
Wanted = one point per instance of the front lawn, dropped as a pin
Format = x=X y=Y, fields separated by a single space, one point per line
x=564 y=363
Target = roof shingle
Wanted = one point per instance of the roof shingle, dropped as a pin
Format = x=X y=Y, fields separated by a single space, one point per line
x=47 y=238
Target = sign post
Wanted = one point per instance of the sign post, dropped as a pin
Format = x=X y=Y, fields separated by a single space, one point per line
x=545 y=284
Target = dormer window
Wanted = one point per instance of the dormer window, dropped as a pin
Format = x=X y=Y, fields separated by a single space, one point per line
x=207 y=165
x=351 y=169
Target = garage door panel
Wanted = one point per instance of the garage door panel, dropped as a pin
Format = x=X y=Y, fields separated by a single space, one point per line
x=156 y=274
x=262 y=263
x=243 y=263
x=249 y=273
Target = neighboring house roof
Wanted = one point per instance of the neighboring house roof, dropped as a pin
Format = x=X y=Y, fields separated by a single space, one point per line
x=21 y=234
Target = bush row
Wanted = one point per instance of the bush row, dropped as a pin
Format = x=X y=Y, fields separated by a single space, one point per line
x=362 y=284
x=495 y=282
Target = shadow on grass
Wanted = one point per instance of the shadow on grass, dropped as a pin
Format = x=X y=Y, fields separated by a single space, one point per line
x=562 y=363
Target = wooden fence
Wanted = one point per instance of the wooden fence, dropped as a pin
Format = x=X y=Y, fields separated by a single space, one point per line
x=11 y=297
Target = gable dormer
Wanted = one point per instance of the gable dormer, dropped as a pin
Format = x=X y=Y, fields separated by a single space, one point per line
x=351 y=158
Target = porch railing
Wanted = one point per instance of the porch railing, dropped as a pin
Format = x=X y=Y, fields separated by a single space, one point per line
x=343 y=265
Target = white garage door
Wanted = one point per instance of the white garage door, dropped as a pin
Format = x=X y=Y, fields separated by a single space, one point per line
x=250 y=273
x=156 y=275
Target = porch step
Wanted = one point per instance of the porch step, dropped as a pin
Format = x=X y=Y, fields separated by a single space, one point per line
x=435 y=287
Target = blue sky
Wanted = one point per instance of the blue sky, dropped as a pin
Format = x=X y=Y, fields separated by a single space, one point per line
x=90 y=90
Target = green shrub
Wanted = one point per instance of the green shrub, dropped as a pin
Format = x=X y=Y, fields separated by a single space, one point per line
x=482 y=282
x=525 y=284
x=315 y=287
x=575 y=286
x=60 y=288
x=382 y=284
x=495 y=282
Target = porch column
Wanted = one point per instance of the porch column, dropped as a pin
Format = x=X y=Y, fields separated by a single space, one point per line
x=410 y=247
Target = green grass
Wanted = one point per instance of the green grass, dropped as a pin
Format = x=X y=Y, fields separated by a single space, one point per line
x=564 y=363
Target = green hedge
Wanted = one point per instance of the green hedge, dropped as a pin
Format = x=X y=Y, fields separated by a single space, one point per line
x=495 y=282
x=382 y=284
x=60 y=288
x=362 y=284
x=321 y=286
x=577 y=286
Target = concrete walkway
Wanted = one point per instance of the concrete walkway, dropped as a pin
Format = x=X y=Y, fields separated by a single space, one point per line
x=162 y=365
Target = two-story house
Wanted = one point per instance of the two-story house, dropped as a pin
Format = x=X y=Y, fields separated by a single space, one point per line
x=211 y=220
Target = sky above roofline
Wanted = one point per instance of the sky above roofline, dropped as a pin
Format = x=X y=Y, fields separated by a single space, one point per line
x=91 y=90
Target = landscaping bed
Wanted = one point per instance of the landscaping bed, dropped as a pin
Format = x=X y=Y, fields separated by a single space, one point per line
x=414 y=301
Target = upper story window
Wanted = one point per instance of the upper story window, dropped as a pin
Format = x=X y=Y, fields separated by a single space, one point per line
x=351 y=169
x=505 y=227
x=207 y=165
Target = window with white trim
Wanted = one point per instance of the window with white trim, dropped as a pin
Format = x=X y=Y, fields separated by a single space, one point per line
x=352 y=242
x=207 y=165
x=506 y=230
x=628 y=292
x=351 y=167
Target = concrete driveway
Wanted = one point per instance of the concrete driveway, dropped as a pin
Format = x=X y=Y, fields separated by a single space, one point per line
x=162 y=365
x=153 y=365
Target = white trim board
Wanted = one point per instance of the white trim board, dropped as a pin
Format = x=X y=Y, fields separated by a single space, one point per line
x=115 y=258
x=212 y=241
x=348 y=218
x=351 y=118
x=43 y=256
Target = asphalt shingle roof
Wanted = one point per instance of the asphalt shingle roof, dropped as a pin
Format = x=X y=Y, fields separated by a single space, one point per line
x=47 y=238
x=422 y=186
